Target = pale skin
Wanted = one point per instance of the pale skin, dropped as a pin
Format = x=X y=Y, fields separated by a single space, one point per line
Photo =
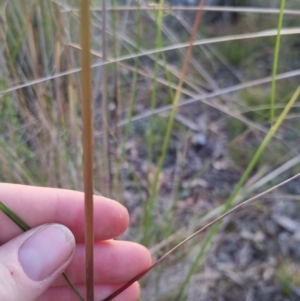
x=116 y=262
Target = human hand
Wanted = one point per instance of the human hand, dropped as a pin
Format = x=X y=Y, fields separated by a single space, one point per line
x=31 y=263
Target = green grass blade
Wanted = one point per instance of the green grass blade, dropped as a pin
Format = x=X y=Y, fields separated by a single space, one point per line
x=74 y=288
x=9 y=213
x=276 y=58
x=158 y=44
x=18 y=221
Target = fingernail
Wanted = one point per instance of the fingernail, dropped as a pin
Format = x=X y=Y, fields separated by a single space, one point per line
x=45 y=251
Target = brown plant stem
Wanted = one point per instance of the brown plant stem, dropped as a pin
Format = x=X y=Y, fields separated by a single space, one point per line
x=87 y=147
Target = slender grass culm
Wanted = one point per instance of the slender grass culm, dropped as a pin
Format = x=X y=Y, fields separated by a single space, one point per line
x=87 y=147
x=276 y=58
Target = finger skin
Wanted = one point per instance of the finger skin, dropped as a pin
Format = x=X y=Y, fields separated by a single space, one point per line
x=15 y=285
x=37 y=206
x=115 y=262
x=101 y=292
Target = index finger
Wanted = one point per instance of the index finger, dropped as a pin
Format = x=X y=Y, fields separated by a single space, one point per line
x=37 y=205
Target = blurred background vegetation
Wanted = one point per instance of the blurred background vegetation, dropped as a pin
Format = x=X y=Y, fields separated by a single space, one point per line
x=222 y=119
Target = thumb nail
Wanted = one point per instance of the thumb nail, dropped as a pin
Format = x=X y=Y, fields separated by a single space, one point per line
x=45 y=251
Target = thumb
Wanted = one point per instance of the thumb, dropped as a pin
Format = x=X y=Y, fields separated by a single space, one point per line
x=31 y=262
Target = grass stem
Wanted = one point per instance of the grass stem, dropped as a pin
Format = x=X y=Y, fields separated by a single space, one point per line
x=87 y=146
x=276 y=59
